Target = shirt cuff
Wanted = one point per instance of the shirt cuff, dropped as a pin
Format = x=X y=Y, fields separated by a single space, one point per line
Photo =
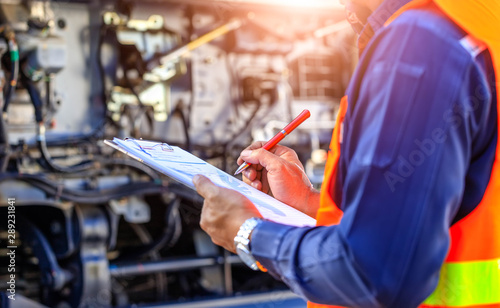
x=265 y=242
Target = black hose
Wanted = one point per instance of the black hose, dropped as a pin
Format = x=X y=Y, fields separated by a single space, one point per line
x=102 y=163
x=143 y=108
x=87 y=167
x=133 y=164
x=244 y=127
x=35 y=97
x=76 y=139
x=58 y=191
x=185 y=125
x=41 y=141
x=49 y=163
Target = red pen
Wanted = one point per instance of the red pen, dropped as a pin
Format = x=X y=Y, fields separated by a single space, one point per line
x=279 y=136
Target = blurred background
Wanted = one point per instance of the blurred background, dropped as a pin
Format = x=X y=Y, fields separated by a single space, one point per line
x=95 y=228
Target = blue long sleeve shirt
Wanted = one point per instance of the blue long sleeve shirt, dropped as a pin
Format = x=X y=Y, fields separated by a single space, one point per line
x=419 y=141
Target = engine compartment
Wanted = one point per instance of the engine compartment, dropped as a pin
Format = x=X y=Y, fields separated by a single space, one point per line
x=94 y=228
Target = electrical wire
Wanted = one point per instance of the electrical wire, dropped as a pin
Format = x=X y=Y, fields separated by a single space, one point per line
x=144 y=110
x=41 y=141
x=244 y=127
x=46 y=158
x=35 y=97
x=58 y=190
x=237 y=134
x=185 y=125
x=102 y=164
x=49 y=163
x=99 y=163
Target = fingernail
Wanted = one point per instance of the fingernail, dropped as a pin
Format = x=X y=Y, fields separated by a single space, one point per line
x=246 y=153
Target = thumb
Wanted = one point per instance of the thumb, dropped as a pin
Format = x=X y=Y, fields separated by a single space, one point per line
x=205 y=187
x=262 y=157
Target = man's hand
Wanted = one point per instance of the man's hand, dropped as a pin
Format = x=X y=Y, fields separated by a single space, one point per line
x=223 y=212
x=279 y=172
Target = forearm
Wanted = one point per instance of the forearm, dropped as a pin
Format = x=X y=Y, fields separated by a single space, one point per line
x=314 y=262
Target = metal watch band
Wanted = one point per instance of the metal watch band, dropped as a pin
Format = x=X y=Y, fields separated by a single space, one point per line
x=242 y=242
x=248 y=226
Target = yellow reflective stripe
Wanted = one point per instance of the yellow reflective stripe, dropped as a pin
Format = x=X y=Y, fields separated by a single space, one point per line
x=467 y=284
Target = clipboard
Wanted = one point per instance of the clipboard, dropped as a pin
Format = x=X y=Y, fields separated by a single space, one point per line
x=182 y=166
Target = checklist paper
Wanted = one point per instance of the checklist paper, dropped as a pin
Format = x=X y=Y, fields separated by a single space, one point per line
x=183 y=166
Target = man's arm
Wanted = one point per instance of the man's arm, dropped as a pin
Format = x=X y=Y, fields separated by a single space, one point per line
x=409 y=142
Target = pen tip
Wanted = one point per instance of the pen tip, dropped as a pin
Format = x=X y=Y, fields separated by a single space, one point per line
x=241 y=168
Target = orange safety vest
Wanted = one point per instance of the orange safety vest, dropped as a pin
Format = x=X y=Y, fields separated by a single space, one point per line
x=470 y=276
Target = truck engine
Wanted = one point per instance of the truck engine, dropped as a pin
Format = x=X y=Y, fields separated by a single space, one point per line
x=91 y=227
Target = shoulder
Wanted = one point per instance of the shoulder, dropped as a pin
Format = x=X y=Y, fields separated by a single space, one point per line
x=430 y=21
x=420 y=36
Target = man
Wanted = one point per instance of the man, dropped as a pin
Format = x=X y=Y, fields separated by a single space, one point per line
x=412 y=168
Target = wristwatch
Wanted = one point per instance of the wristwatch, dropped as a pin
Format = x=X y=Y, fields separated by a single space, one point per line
x=242 y=242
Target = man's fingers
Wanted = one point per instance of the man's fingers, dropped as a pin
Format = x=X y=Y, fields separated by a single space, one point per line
x=278 y=150
x=243 y=153
x=205 y=187
x=262 y=157
x=257 y=185
x=256 y=145
x=250 y=173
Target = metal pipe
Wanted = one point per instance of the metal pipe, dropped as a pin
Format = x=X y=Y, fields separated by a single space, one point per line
x=134 y=268
x=206 y=38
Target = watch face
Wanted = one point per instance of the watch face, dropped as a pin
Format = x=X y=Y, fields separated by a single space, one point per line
x=242 y=242
x=246 y=257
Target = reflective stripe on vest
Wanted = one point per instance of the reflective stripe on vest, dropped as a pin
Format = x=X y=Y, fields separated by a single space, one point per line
x=470 y=276
x=466 y=284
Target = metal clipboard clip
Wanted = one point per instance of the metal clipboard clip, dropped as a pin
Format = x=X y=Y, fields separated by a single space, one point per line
x=164 y=146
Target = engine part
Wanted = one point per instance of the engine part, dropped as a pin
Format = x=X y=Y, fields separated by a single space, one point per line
x=96 y=229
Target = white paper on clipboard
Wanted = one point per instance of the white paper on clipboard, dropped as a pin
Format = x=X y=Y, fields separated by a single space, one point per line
x=183 y=166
